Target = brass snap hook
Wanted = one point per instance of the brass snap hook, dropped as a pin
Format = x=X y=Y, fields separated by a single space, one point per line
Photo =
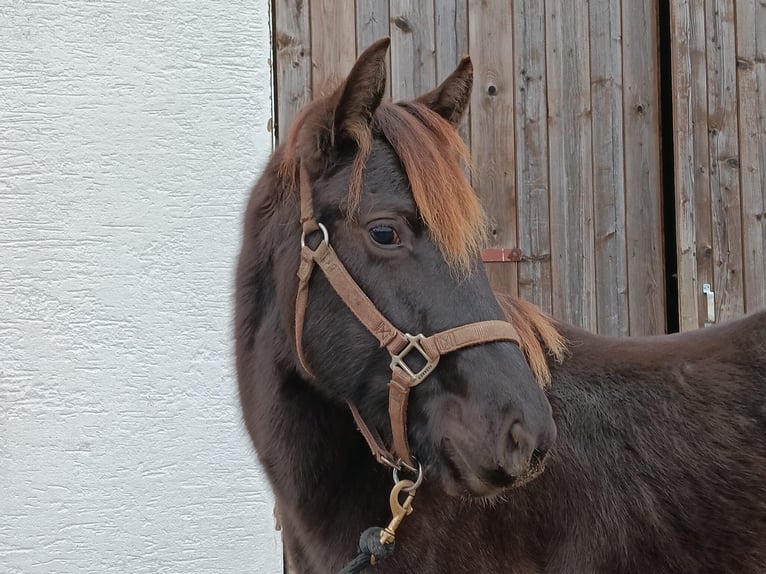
x=398 y=510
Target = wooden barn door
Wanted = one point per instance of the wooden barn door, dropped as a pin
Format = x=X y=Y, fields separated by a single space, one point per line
x=563 y=128
x=719 y=79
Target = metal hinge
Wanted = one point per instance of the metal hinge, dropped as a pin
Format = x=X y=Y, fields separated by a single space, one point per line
x=513 y=255
x=710 y=296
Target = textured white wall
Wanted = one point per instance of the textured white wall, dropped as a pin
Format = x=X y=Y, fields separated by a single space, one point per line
x=130 y=133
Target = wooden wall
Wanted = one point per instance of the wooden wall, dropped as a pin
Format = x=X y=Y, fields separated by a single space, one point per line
x=564 y=130
x=719 y=80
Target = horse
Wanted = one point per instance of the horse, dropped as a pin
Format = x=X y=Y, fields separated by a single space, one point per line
x=541 y=447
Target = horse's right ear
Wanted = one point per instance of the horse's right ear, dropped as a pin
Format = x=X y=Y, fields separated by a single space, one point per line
x=361 y=94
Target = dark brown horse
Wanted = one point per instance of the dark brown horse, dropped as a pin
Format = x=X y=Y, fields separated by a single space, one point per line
x=653 y=449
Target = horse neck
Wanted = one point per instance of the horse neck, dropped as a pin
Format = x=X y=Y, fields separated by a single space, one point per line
x=325 y=480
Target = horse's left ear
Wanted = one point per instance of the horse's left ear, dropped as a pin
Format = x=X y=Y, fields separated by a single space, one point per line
x=451 y=98
x=361 y=93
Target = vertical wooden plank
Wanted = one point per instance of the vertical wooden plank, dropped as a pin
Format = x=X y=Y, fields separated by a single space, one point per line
x=609 y=167
x=372 y=19
x=691 y=159
x=451 y=17
x=723 y=147
x=491 y=43
x=703 y=229
x=413 y=58
x=293 y=61
x=643 y=177
x=570 y=157
x=751 y=81
x=534 y=271
x=333 y=43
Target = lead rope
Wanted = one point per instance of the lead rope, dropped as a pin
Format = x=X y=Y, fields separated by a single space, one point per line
x=371 y=551
x=375 y=543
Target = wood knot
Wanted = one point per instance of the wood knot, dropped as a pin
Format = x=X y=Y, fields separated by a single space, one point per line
x=285 y=41
x=492 y=89
x=744 y=64
x=403 y=24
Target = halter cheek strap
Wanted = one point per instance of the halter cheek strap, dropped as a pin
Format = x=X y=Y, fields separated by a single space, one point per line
x=398 y=344
x=352 y=295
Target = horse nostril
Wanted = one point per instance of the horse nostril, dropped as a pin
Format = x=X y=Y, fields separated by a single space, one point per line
x=519 y=448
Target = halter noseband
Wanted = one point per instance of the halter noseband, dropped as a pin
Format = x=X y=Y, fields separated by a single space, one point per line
x=397 y=343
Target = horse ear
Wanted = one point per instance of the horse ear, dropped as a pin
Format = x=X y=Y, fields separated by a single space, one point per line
x=361 y=93
x=451 y=98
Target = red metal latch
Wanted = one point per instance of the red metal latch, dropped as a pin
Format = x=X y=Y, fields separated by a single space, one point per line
x=502 y=255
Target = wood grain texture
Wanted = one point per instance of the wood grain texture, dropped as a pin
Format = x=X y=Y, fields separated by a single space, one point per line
x=691 y=158
x=643 y=199
x=751 y=82
x=451 y=32
x=292 y=43
x=534 y=271
x=723 y=147
x=492 y=129
x=564 y=131
x=606 y=56
x=571 y=162
x=413 y=57
x=333 y=43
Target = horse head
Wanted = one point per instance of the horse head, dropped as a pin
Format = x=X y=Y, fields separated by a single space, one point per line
x=387 y=183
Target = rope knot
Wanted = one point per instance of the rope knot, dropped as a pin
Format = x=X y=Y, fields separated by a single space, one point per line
x=371 y=551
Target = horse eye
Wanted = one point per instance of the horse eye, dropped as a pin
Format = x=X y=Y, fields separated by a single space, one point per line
x=385 y=235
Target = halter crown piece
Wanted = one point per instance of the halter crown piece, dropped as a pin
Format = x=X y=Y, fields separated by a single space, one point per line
x=397 y=343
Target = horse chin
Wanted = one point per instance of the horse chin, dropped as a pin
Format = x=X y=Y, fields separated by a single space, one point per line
x=460 y=479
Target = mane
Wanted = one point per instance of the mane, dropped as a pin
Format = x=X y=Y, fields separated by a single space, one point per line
x=433 y=156
x=539 y=335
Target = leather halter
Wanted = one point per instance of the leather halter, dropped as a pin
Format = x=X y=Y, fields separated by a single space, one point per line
x=397 y=343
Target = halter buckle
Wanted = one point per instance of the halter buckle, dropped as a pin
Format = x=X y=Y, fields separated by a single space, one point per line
x=397 y=359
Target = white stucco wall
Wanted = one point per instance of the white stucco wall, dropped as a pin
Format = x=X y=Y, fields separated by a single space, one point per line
x=130 y=133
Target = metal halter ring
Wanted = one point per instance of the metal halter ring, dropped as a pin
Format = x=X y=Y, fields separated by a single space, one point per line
x=325 y=235
x=414 y=343
x=417 y=482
